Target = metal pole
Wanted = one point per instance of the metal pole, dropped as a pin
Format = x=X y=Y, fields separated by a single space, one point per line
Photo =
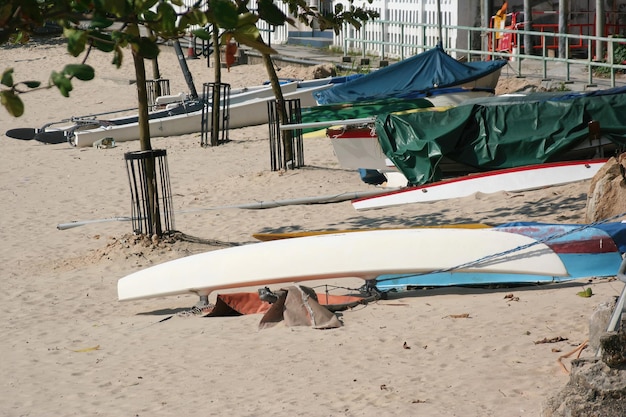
x=185 y=68
x=563 y=23
x=600 y=24
x=439 y=21
x=616 y=317
x=528 y=26
x=485 y=23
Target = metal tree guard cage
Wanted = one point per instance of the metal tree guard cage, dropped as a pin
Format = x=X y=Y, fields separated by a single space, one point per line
x=143 y=219
x=210 y=92
x=278 y=154
x=156 y=88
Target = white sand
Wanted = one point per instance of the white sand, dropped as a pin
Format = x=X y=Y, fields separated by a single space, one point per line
x=59 y=298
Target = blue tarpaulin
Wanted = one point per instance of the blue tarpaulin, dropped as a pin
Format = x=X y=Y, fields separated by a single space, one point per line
x=421 y=73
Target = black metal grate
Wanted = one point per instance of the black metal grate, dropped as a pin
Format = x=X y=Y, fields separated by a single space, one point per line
x=293 y=138
x=138 y=166
x=156 y=88
x=212 y=93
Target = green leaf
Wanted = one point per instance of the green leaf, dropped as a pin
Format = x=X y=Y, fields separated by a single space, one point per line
x=168 y=17
x=225 y=12
x=184 y=22
x=148 y=4
x=62 y=83
x=132 y=30
x=118 y=57
x=32 y=84
x=119 y=38
x=76 y=40
x=269 y=12
x=12 y=103
x=100 y=22
x=586 y=294
x=253 y=42
x=81 y=71
x=7 y=77
x=249 y=31
x=147 y=48
x=195 y=17
x=102 y=41
x=247 y=19
x=201 y=34
x=116 y=7
x=150 y=16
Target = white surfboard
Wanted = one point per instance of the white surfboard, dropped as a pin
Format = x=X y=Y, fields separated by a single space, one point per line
x=363 y=255
x=512 y=180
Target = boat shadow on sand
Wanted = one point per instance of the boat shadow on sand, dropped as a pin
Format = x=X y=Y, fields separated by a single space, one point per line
x=388 y=297
x=494 y=209
x=492 y=289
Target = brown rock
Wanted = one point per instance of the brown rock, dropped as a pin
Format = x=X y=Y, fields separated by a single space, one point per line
x=594 y=390
x=607 y=192
x=614 y=349
x=323 y=71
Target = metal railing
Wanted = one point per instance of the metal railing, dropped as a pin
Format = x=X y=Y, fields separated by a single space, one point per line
x=547 y=38
x=474 y=37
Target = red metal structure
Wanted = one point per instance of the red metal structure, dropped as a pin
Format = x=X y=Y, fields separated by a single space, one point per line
x=506 y=42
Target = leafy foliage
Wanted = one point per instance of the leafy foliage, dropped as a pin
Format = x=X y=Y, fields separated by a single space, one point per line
x=115 y=25
x=619 y=57
x=619 y=54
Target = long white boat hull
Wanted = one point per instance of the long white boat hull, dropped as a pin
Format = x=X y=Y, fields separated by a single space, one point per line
x=241 y=113
x=513 y=180
x=363 y=255
x=169 y=106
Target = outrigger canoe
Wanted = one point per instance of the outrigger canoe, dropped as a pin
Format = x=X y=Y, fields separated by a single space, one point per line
x=364 y=255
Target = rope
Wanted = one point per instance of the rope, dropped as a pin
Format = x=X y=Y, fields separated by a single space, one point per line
x=576 y=351
x=507 y=252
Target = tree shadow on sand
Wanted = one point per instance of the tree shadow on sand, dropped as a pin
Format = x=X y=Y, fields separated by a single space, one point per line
x=487 y=209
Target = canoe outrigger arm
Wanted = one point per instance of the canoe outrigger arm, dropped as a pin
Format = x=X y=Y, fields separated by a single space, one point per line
x=620 y=306
x=328 y=123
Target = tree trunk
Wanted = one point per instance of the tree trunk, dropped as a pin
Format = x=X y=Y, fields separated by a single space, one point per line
x=142 y=101
x=215 y=109
x=144 y=141
x=156 y=74
x=286 y=135
x=216 y=50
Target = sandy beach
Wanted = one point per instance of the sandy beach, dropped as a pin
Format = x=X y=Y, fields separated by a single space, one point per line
x=69 y=348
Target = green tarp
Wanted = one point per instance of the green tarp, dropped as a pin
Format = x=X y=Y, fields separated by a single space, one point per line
x=360 y=110
x=506 y=135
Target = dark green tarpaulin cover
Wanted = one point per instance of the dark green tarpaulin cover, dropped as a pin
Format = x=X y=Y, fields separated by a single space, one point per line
x=488 y=137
